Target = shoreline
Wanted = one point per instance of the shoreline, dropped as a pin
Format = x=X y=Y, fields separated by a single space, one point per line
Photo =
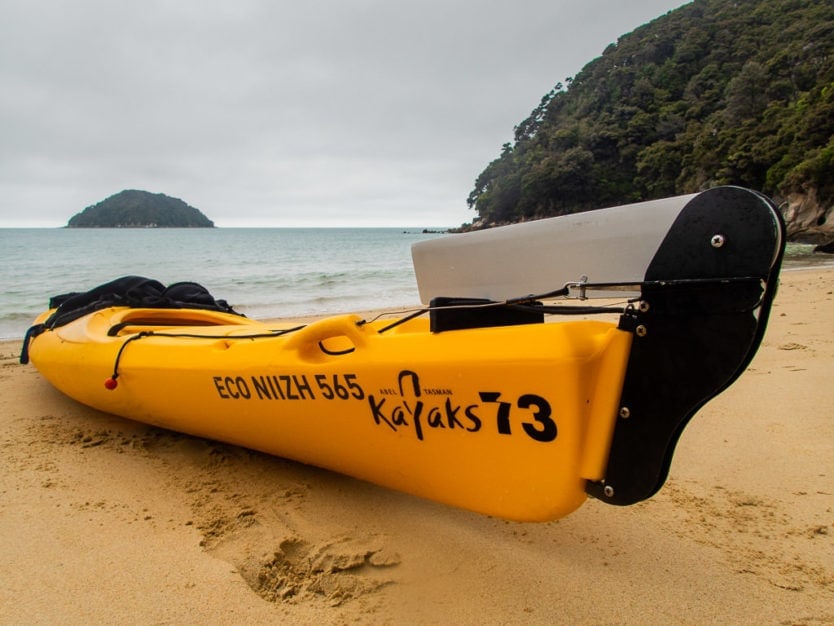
x=104 y=519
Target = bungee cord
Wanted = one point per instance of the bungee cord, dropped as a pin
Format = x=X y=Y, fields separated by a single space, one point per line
x=112 y=382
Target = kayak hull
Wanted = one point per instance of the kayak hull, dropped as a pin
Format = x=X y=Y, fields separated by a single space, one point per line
x=510 y=422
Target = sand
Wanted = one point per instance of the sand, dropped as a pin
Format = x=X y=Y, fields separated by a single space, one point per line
x=108 y=521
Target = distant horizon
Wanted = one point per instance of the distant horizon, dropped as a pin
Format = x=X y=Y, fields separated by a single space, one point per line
x=228 y=227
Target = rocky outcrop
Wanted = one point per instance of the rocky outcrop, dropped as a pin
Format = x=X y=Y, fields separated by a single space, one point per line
x=807 y=219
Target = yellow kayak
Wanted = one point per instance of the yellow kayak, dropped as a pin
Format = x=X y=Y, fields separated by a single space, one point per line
x=477 y=403
x=486 y=419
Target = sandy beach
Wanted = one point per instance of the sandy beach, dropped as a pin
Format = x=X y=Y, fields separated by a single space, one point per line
x=104 y=520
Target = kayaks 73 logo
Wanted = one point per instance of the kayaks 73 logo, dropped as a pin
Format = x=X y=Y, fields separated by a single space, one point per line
x=408 y=407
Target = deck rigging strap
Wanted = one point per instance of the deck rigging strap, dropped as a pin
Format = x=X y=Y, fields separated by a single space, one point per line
x=459 y=313
x=111 y=383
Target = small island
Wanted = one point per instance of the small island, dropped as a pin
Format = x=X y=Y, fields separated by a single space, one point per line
x=133 y=208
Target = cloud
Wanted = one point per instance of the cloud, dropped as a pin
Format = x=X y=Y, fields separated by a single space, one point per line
x=324 y=112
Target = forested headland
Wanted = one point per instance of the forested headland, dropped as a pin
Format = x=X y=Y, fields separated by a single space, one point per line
x=716 y=92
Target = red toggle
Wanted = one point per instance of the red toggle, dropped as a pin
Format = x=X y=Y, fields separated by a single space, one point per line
x=111 y=384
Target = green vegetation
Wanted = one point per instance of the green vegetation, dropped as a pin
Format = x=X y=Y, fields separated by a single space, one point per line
x=140 y=209
x=716 y=92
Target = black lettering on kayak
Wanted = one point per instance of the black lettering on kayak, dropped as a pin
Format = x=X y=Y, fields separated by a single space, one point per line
x=290 y=387
x=502 y=417
x=476 y=421
x=544 y=428
x=398 y=416
x=412 y=411
x=221 y=390
x=415 y=382
x=354 y=387
x=242 y=387
x=230 y=388
x=452 y=414
x=286 y=386
x=303 y=387
x=275 y=387
x=378 y=415
x=418 y=411
x=435 y=418
x=281 y=388
x=261 y=387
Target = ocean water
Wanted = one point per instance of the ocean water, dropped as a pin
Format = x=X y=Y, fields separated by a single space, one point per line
x=262 y=272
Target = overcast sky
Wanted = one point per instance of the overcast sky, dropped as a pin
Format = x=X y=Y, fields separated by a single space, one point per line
x=278 y=112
